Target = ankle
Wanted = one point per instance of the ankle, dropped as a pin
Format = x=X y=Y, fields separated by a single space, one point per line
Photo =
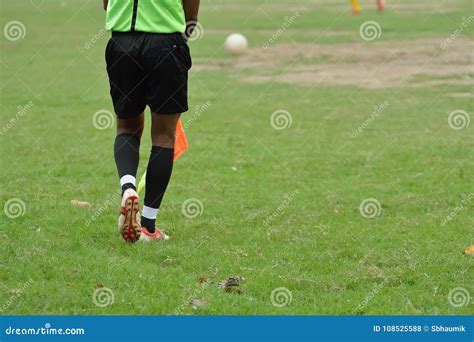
x=149 y=224
x=127 y=186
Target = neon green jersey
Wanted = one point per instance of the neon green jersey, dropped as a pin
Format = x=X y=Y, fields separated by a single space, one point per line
x=159 y=16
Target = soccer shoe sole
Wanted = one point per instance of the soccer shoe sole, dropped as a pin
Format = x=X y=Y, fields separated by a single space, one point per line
x=130 y=228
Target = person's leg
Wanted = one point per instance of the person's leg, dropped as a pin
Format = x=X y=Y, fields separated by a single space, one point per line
x=168 y=61
x=126 y=150
x=160 y=166
x=127 y=89
x=126 y=153
x=380 y=5
x=356 y=8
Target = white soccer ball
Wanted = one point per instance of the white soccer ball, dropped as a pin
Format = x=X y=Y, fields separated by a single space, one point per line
x=236 y=44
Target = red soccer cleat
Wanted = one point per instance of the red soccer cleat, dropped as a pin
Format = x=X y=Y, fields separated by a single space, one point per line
x=158 y=235
x=130 y=216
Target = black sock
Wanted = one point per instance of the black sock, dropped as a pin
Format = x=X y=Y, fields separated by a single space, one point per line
x=128 y=186
x=126 y=153
x=158 y=175
x=149 y=224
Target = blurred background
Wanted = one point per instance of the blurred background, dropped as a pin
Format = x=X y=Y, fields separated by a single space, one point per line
x=330 y=164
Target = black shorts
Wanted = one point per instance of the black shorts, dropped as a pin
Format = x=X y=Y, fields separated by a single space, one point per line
x=148 y=69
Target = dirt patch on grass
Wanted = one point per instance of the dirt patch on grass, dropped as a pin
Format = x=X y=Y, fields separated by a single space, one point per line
x=412 y=63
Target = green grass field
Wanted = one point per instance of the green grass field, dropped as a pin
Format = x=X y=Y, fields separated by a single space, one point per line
x=280 y=207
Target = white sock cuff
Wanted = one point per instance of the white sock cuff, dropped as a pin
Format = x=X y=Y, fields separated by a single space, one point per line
x=127 y=179
x=149 y=213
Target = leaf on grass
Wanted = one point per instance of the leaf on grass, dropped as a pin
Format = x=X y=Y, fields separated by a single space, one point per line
x=232 y=284
x=201 y=280
x=80 y=203
x=197 y=304
x=233 y=290
x=98 y=286
x=469 y=250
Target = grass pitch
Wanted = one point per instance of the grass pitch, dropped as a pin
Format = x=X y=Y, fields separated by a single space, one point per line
x=284 y=208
